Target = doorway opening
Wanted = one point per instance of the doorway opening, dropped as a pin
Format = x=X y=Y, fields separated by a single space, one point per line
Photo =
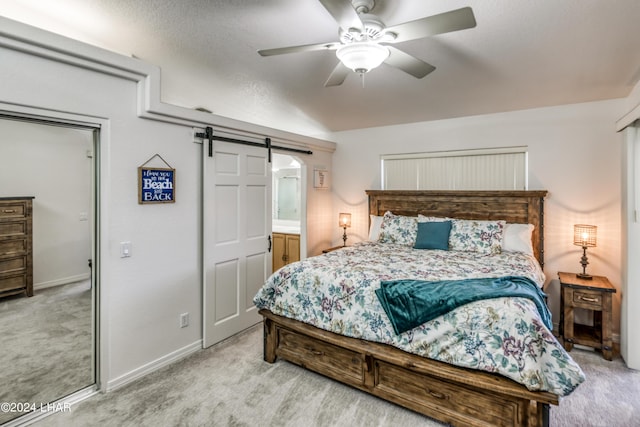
x=288 y=209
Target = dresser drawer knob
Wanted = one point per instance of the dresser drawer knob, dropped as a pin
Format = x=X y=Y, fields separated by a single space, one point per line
x=587 y=299
x=8 y=211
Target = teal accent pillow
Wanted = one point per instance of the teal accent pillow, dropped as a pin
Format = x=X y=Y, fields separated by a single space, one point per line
x=433 y=235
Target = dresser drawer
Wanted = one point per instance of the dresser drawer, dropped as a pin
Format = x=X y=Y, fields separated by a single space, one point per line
x=9 y=266
x=336 y=362
x=12 y=247
x=13 y=228
x=466 y=405
x=13 y=282
x=14 y=209
x=587 y=299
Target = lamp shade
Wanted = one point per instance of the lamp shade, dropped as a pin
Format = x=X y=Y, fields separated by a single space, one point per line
x=344 y=220
x=362 y=57
x=584 y=235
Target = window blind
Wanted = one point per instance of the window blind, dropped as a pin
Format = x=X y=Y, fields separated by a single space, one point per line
x=488 y=169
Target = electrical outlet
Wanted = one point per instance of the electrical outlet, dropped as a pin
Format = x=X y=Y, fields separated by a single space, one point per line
x=184 y=320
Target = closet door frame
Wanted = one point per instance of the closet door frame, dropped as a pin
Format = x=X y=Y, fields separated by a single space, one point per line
x=101 y=137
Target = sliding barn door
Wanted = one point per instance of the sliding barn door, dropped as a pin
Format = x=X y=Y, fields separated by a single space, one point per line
x=236 y=241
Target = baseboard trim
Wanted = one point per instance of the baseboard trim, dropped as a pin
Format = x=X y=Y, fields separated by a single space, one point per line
x=153 y=366
x=59 y=282
x=47 y=409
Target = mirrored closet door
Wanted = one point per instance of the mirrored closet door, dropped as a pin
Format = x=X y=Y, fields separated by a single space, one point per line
x=48 y=339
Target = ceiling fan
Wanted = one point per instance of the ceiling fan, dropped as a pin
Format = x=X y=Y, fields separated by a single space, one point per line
x=365 y=42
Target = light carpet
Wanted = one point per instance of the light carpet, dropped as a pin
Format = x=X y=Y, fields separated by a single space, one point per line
x=230 y=385
x=46 y=345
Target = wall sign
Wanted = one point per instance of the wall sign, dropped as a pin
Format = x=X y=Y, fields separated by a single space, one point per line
x=156 y=184
x=321 y=179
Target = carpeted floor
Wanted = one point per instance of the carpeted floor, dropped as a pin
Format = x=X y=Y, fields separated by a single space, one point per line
x=230 y=385
x=46 y=345
x=609 y=397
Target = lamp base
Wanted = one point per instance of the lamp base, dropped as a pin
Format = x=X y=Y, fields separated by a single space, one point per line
x=584 y=262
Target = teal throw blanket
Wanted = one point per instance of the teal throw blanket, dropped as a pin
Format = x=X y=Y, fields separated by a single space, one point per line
x=410 y=303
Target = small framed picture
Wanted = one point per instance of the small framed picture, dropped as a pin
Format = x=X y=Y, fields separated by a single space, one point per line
x=321 y=178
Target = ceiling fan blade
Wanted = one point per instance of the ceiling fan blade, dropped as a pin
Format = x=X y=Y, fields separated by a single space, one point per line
x=301 y=48
x=454 y=20
x=407 y=63
x=344 y=13
x=338 y=75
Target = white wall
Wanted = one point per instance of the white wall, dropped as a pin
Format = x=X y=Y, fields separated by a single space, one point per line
x=574 y=153
x=50 y=163
x=141 y=296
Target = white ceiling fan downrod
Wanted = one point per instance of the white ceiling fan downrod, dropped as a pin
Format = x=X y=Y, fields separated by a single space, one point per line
x=363 y=6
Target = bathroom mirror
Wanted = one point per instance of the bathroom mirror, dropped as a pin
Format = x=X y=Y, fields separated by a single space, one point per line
x=286 y=188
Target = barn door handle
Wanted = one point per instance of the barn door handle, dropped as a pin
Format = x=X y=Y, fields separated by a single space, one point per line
x=269 y=239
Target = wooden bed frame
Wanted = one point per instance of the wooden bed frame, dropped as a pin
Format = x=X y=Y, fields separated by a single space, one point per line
x=454 y=395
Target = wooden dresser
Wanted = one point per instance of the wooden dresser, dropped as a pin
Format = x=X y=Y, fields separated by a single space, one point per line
x=16 y=246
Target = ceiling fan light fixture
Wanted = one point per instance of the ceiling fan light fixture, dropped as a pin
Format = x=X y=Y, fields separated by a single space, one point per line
x=362 y=57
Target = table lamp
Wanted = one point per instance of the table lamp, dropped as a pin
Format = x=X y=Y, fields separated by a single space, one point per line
x=344 y=220
x=585 y=236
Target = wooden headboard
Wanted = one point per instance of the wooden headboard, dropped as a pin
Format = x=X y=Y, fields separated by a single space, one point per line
x=520 y=207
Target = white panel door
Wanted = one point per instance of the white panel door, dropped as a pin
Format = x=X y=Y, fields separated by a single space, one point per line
x=236 y=240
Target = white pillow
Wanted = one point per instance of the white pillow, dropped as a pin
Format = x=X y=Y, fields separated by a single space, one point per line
x=374 y=228
x=517 y=238
x=423 y=218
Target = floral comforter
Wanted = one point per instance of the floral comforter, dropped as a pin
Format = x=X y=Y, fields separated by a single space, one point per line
x=336 y=292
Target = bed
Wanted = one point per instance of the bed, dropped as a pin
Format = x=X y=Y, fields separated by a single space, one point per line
x=444 y=368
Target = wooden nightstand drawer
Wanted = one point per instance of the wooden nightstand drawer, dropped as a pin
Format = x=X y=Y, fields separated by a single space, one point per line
x=587 y=299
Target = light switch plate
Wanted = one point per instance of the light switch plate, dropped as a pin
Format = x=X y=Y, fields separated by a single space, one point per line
x=125 y=249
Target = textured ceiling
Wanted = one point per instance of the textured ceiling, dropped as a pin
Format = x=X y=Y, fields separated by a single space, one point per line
x=522 y=54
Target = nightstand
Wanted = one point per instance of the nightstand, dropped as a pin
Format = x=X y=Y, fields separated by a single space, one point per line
x=596 y=295
x=335 y=248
